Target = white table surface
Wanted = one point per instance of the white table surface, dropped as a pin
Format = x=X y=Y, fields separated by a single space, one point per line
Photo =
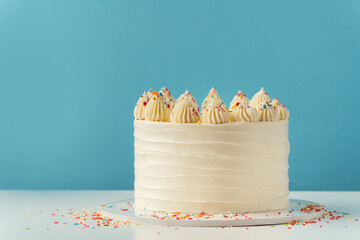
x=21 y=210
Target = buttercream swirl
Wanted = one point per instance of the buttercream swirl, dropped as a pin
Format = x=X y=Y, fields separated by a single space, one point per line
x=259 y=98
x=215 y=114
x=187 y=95
x=240 y=97
x=212 y=97
x=184 y=112
x=169 y=99
x=139 y=111
x=157 y=109
x=242 y=112
x=267 y=112
x=150 y=93
x=281 y=109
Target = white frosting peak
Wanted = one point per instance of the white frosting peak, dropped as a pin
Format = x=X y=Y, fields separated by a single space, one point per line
x=243 y=113
x=215 y=114
x=187 y=95
x=267 y=112
x=212 y=97
x=240 y=97
x=168 y=97
x=281 y=109
x=259 y=98
x=150 y=93
x=139 y=111
x=184 y=112
x=157 y=109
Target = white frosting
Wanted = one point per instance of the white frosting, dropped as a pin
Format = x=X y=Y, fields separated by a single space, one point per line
x=170 y=100
x=281 y=109
x=212 y=97
x=243 y=113
x=150 y=93
x=240 y=97
x=267 y=112
x=215 y=114
x=212 y=168
x=187 y=95
x=139 y=111
x=259 y=98
x=184 y=112
x=156 y=109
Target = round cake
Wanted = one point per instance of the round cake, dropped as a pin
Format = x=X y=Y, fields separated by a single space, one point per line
x=213 y=160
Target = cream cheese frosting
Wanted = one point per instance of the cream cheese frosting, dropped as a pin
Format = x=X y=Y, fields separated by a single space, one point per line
x=281 y=109
x=185 y=112
x=267 y=112
x=139 y=111
x=213 y=97
x=242 y=112
x=157 y=109
x=259 y=98
x=240 y=97
x=215 y=114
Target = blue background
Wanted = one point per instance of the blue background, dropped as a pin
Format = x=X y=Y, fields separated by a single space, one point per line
x=72 y=71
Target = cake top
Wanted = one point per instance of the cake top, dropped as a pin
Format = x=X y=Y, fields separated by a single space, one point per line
x=163 y=107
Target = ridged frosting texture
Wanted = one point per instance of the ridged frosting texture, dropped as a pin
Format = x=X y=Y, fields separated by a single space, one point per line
x=150 y=93
x=242 y=112
x=184 y=112
x=212 y=97
x=240 y=97
x=187 y=95
x=259 y=98
x=215 y=114
x=281 y=109
x=156 y=109
x=267 y=112
x=170 y=100
x=139 y=111
x=237 y=167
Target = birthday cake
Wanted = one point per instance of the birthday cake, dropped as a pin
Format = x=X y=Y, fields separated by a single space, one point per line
x=210 y=159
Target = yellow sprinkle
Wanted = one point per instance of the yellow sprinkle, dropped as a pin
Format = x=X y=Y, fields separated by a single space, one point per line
x=154 y=98
x=350 y=219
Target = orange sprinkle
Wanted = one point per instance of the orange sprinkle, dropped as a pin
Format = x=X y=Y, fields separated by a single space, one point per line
x=155 y=93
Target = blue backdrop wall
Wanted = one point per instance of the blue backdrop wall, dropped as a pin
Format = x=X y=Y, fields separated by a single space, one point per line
x=72 y=71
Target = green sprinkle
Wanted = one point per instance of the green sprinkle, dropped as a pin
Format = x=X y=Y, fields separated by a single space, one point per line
x=345 y=213
x=271 y=225
x=27 y=228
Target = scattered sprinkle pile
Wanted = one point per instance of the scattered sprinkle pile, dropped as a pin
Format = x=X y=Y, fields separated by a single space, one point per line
x=91 y=219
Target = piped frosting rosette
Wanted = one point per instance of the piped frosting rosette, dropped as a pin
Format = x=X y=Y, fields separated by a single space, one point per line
x=267 y=112
x=169 y=99
x=185 y=112
x=212 y=97
x=240 y=97
x=259 y=98
x=242 y=112
x=187 y=95
x=139 y=111
x=150 y=93
x=215 y=114
x=281 y=109
x=157 y=109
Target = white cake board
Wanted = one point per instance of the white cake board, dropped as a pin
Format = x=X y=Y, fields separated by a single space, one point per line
x=124 y=210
